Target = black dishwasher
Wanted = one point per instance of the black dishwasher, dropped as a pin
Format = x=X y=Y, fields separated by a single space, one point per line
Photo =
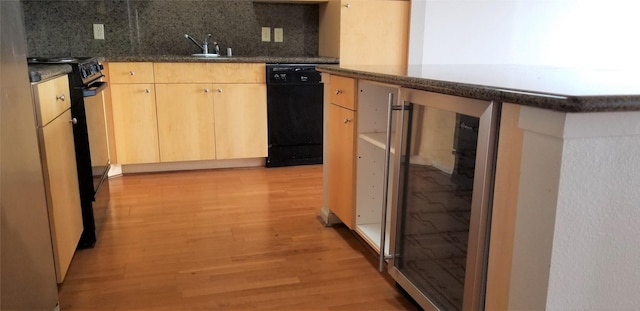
x=294 y=114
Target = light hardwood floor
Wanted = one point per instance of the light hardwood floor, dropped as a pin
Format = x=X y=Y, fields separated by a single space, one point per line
x=231 y=239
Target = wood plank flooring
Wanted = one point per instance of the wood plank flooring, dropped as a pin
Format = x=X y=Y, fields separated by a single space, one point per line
x=229 y=239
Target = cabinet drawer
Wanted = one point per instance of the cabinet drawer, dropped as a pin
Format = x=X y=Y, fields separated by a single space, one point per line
x=209 y=73
x=240 y=73
x=52 y=99
x=343 y=92
x=131 y=72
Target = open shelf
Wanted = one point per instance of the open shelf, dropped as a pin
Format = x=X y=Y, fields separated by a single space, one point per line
x=370 y=233
x=376 y=139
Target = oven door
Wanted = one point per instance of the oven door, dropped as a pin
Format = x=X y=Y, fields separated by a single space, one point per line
x=97 y=131
x=93 y=155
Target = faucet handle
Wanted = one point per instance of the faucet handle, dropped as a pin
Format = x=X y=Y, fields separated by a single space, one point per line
x=206 y=39
x=216 y=47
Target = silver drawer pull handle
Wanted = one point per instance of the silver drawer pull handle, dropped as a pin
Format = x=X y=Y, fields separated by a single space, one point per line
x=73 y=121
x=147 y=90
x=132 y=72
x=61 y=97
x=219 y=90
x=348 y=5
x=206 y=90
x=347 y=120
x=339 y=91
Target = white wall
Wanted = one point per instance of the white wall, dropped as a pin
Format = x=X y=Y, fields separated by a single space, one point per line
x=575 y=244
x=567 y=33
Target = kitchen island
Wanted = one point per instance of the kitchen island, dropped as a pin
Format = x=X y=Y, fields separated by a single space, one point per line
x=566 y=172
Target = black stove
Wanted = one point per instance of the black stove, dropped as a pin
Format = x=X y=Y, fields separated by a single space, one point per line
x=85 y=69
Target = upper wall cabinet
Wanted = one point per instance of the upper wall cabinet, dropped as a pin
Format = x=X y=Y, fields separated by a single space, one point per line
x=365 y=32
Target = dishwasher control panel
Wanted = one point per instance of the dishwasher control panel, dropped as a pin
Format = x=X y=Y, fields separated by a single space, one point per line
x=292 y=74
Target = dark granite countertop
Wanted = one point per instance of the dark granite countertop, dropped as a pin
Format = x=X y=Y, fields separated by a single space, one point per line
x=560 y=89
x=39 y=73
x=225 y=59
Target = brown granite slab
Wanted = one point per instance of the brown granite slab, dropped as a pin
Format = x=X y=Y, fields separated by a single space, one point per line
x=565 y=90
x=225 y=59
x=39 y=73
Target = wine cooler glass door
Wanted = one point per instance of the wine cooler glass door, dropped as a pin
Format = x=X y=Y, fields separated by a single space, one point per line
x=442 y=199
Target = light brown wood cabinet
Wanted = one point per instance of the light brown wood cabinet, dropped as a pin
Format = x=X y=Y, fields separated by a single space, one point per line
x=365 y=32
x=195 y=111
x=186 y=122
x=342 y=149
x=55 y=129
x=211 y=111
x=240 y=120
x=133 y=108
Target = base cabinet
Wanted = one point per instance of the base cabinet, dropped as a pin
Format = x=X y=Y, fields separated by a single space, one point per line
x=55 y=129
x=186 y=122
x=176 y=112
x=240 y=121
x=341 y=184
x=135 y=123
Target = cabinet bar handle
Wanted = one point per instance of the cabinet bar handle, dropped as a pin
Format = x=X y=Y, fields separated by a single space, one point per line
x=61 y=97
x=385 y=188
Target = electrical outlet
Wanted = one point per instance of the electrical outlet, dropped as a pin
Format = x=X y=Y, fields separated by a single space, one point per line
x=266 y=34
x=278 y=35
x=98 y=31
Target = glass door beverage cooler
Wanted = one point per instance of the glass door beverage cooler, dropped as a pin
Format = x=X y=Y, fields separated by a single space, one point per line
x=445 y=149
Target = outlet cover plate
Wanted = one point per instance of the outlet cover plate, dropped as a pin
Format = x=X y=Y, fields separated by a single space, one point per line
x=278 y=35
x=98 y=31
x=266 y=34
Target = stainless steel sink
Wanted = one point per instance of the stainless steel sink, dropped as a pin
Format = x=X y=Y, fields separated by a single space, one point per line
x=205 y=55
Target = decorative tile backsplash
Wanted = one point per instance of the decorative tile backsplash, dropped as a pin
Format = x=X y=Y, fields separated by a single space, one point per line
x=157 y=27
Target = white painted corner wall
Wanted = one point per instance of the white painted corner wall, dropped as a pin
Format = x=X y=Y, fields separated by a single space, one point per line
x=561 y=33
x=575 y=245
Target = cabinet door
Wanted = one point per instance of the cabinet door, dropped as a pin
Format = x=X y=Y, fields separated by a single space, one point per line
x=341 y=170
x=240 y=121
x=374 y=32
x=134 y=122
x=185 y=122
x=365 y=32
x=61 y=177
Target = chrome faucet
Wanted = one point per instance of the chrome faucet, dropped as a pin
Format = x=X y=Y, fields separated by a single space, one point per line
x=205 y=45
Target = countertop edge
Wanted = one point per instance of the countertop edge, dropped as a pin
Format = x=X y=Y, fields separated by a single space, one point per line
x=225 y=59
x=556 y=102
x=42 y=72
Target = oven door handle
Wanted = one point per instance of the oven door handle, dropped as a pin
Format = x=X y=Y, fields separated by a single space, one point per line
x=94 y=89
